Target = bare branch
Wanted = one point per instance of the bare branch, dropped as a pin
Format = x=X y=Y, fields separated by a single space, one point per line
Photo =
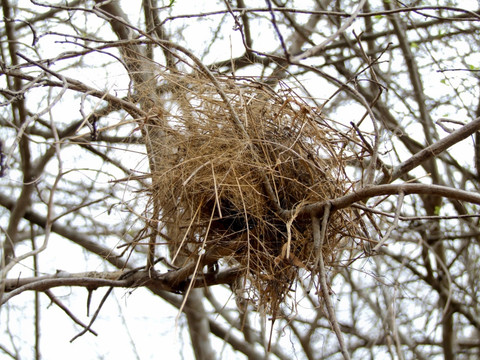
x=130 y=278
x=431 y=151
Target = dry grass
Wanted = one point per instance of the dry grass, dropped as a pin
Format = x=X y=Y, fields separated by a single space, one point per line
x=225 y=170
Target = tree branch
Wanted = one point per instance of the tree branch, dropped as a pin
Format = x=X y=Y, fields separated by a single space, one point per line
x=136 y=278
x=431 y=151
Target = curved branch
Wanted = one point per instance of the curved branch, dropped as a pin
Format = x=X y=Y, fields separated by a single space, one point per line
x=366 y=193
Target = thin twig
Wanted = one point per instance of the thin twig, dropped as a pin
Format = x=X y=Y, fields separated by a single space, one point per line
x=462 y=17
x=57 y=302
x=394 y=225
x=277 y=30
x=94 y=315
x=319 y=238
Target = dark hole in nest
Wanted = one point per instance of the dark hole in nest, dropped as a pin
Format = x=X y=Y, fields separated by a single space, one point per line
x=236 y=233
x=241 y=235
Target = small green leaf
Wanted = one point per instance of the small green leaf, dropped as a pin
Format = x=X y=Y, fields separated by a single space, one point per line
x=444 y=81
x=437 y=210
x=378 y=17
x=414 y=45
x=472 y=67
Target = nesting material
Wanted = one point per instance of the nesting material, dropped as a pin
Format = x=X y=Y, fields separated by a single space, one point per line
x=229 y=157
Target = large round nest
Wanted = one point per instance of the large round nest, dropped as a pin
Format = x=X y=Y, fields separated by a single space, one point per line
x=230 y=157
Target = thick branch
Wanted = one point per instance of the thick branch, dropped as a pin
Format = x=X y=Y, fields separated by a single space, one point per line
x=152 y=279
x=381 y=190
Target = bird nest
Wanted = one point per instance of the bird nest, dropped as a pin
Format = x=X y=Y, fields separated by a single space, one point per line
x=232 y=158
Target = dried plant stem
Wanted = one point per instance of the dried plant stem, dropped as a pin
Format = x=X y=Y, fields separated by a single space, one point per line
x=318 y=238
x=197 y=266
